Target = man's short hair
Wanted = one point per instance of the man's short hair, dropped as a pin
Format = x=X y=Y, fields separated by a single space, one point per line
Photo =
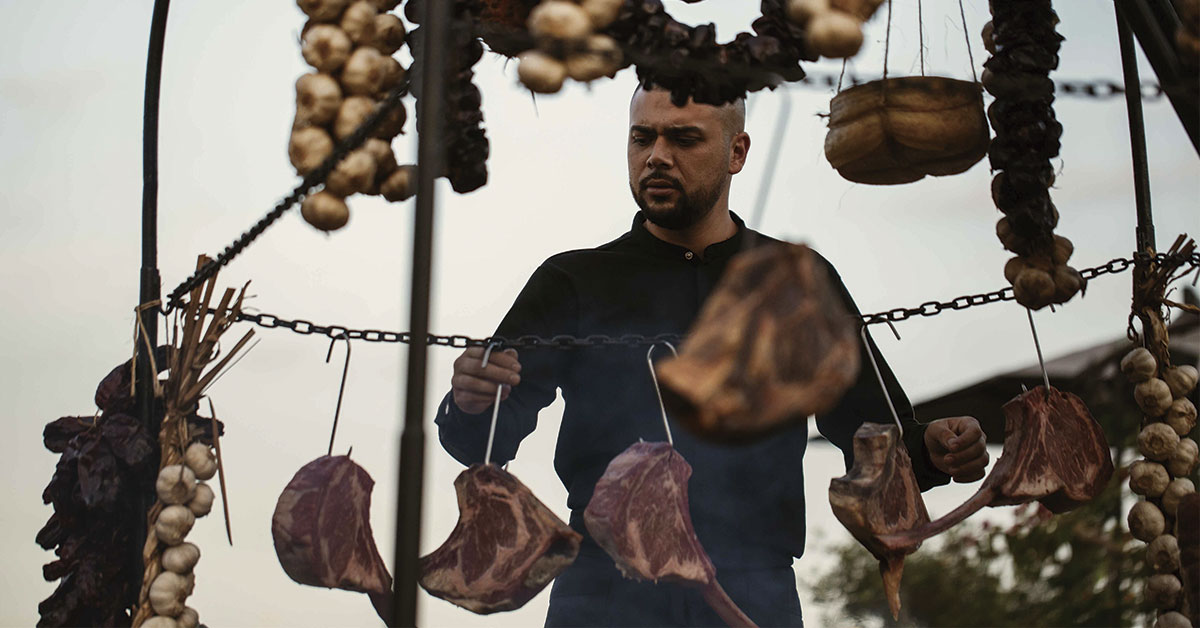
x=733 y=114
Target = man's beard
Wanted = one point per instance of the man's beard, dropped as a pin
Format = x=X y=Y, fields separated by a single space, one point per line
x=688 y=209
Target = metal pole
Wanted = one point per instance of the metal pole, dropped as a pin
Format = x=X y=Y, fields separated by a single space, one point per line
x=150 y=286
x=1137 y=137
x=436 y=26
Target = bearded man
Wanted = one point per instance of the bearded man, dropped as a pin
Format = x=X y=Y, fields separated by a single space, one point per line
x=747 y=501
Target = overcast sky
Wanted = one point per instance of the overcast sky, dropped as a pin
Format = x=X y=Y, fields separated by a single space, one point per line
x=70 y=169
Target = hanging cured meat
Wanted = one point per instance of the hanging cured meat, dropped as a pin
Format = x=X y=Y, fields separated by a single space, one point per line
x=773 y=344
x=322 y=530
x=899 y=130
x=1054 y=452
x=506 y=546
x=879 y=495
x=639 y=514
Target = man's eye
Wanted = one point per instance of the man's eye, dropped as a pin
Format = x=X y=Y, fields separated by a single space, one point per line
x=640 y=140
x=686 y=141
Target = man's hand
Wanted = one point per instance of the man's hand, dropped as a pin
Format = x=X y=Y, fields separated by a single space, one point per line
x=957 y=446
x=474 y=386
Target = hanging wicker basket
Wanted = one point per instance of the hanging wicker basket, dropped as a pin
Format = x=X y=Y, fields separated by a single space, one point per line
x=900 y=130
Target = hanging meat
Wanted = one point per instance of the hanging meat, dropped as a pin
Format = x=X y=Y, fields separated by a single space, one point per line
x=772 y=345
x=506 y=546
x=879 y=495
x=1024 y=47
x=1054 y=452
x=639 y=514
x=322 y=530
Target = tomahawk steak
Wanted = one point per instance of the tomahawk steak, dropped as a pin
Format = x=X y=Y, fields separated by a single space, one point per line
x=506 y=546
x=877 y=496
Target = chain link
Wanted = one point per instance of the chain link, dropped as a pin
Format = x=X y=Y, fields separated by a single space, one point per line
x=566 y=341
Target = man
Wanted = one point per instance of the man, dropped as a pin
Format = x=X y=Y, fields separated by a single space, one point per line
x=747 y=501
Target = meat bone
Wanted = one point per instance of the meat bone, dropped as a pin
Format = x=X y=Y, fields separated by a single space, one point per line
x=506 y=546
x=1054 y=452
x=879 y=495
x=639 y=514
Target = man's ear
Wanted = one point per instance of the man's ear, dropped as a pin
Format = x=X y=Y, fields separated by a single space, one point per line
x=739 y=146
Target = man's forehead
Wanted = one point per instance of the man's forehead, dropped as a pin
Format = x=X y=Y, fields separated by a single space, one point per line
x=655 y=109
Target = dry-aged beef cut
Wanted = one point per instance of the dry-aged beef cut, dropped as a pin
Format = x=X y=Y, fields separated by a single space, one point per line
x=772 y=344
x=877 y=496
x=505 y=548
x=1054 y=452
x=322 y=530
x=639 y=514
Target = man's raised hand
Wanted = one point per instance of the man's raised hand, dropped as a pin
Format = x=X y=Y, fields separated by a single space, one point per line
x=957 y=446
x=474 y=386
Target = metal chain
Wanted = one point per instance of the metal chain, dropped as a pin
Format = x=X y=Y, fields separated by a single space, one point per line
x=1098 y=89
x=566 y=341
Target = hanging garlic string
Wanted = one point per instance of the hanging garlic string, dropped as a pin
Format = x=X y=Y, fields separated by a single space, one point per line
x=657 y=390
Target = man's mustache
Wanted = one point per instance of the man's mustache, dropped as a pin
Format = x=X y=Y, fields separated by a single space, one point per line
x=659 y=178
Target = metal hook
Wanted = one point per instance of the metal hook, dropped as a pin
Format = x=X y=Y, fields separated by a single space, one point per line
x=487 y=454
x=1038 y=346
x=879 y=376
x=341 y=388
x=657 y=390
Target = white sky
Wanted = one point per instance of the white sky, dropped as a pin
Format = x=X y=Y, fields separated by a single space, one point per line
x=70 y=170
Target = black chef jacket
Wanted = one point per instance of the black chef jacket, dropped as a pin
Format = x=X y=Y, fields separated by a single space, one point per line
x=747 y=501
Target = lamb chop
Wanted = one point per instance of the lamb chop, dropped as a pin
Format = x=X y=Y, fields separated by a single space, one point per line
x=1054 y=452
x=322 y=530
x=877 y=496
x=772 y=344
x=506 y=546
x=639 y=514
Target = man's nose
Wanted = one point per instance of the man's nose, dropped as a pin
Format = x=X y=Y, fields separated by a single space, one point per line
x=660 y=155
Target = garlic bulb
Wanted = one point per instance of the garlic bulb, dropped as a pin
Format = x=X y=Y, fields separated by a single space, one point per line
x=325 y=212
x=354 y=110
x=322 y=10
x=1148 y=478
x=401 y=185
x=181 y=559
x=189 y=618
x=167 y=593
x=1176 y=490
x=393 y=73
x=602 y=12
x=802 y=11
x=1063 y=248
x=602 y=58
x=175 y=485
x=1067 y=281
x=1180 y=379
x=392 y=123
x=158 y=621
x=1184 y=458
x=835 y=35
x=1163 y=554
x=359 y=22
x=1173 y=619
x=389 y=34
x=310 y=146
x=318 y=97
x=1153 y=396
x=355 y=173
x=174 y=522
x=1181 y=416
x=201 y=459
x=381 y=152
x=1146 y=521
x=325 y=47
x=1157 y=441
x=1139 y=365
x=540 y=72
x=1162 y=591
x=202 y=501
x=1034 y=287
x=364 y=71
x=559 y=19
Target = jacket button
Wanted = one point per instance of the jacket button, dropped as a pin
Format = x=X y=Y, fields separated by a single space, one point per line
x=688 y=255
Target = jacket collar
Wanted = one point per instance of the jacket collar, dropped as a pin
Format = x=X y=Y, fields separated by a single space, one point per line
x=719 y=251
